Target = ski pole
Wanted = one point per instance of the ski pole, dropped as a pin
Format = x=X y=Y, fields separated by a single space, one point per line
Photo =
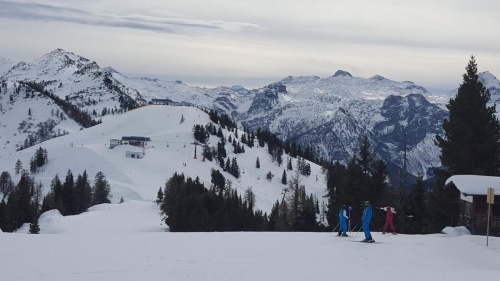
x=334 y=229
x=354 y=227
x=357 y=232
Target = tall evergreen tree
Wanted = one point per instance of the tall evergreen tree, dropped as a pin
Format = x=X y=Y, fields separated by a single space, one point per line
x=416 y=210
x=68 y=194
x=18 y=166
x=6 y=184
x=250 y=197
x=19 y=205
x=83 y=193
x=218 y=180
x=235 y=169
x=159 y=196
x=470 y=145
x=101 y=189
x=365 y=156
x=3 y=215
x=471 y=141
x=34 y=226
x=283 y=177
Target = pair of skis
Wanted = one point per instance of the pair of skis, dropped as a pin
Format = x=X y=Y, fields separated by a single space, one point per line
x=362 y=241
x=367 y=241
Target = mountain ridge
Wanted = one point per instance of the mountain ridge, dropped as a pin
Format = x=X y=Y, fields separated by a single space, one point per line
x=329 y=114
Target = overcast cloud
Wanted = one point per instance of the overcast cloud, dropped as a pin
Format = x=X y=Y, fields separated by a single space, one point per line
x=257 y=42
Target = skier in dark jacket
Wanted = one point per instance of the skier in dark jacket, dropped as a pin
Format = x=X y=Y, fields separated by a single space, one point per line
x=343 y=219
x=367 y=216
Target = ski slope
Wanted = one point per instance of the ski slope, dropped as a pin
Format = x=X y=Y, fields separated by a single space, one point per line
x=127 y=242
x=169 y=151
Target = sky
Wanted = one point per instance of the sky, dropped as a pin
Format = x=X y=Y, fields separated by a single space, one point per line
x=254 y=42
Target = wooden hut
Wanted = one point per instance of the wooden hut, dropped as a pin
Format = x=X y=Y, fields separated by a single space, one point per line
x=473 y=206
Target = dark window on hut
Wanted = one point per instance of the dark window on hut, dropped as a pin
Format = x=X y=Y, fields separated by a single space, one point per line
x=496 y=210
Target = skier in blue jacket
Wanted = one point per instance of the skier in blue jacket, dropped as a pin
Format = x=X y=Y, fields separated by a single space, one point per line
x=367 y=216
x=343 y=219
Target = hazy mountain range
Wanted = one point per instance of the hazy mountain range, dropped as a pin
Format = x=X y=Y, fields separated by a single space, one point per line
x=330 y=114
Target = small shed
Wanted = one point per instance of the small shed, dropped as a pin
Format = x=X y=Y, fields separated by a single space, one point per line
x=114 y=143
x=134 y=154
x=473 y=206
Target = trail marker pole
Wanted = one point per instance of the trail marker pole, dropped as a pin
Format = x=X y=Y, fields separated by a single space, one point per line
x=490 y=199
x=350 y=209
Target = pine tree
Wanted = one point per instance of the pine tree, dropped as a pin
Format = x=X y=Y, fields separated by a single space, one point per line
x=279 y=156
x=269 y=176
x=365 y=157
x=33 y=167
x=470 y=144
x=83 y=192
x=101 y=189
x=417 y=206
x=34 y=226
x=68 y=194
x=56 y=187
x=3 y=215
x=228 y=165
x=18 y=167
x=6 y=184
x=159 y=196
x=257 y=163
x=19 y=205
x=250 y=197
x=235 y=169
x=218 y=181
x=283 y=177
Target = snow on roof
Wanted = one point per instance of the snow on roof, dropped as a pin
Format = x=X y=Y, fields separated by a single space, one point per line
x=469 y=185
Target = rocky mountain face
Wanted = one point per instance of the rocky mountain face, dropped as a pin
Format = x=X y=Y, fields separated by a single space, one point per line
x=330 y=115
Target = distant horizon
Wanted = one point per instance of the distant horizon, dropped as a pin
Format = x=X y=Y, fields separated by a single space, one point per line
x=254 y=43
x=249 y=83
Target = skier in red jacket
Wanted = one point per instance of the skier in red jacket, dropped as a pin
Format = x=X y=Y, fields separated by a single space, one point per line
x=388 y=219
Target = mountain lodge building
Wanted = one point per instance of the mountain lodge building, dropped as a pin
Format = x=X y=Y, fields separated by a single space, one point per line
x=473 y=206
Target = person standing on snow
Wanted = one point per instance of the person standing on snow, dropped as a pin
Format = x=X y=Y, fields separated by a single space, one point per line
x=343 y=219
x=367 y=216
x=388 y=219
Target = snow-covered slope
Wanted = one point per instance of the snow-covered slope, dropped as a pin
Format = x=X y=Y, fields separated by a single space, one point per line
x=127 y=242
x=170 y=148
x=5 y=65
